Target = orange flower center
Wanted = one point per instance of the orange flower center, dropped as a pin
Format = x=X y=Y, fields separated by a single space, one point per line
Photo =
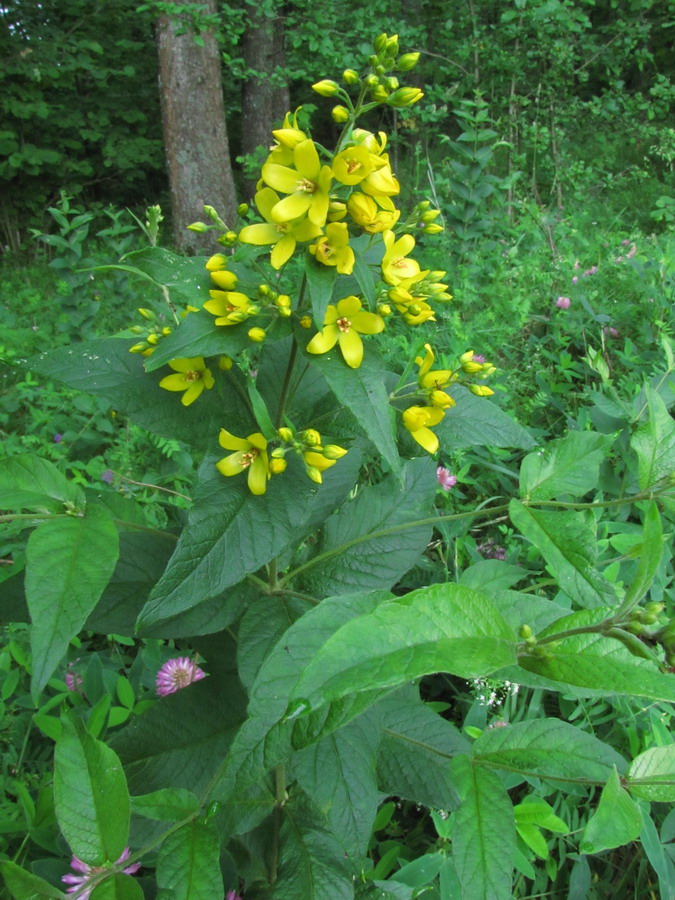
x=249 y=457
x=344 y=324
x=192 y=376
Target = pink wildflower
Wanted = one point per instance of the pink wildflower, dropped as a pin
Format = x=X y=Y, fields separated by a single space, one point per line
x=574 y=279
x=88 y=873
x=592 y=271
x=631 y=253
x=478 y=358
x=232 y=895
x=445 y=479
x=563 y=302
x=177 y=674
x=610 y=331
x=490 y=550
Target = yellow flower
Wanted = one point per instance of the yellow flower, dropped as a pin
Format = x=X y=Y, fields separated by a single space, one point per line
x=224 y=279
x=366 y=212
x=230 y=307
x=308 y=186
x=396 y=266
x=289 y=135
x=352 y=165
x=191 y=376
x=343 y=325
x=315 y=464
x=433 y=380
x=382 y=182
x=283 y=236
x=250 y=453
x=417 y=419
x=480 y=390
x=333 y=248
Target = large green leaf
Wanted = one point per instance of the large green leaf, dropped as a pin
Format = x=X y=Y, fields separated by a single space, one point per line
x=198 y=335
x=69 y=563
x=483 y=833
x=107 y=369
x=548 y=748
x=615 y=822
x=261 y=626
x=652 y=774
x=186 y=277
x=188 y=866
x=415 y=750
x=28 y=482
x=338 y=774
x=23 y=885
x=231 y=533
x=650 y=555
x=363 y=392
x=654 y=443
x=90 y=795
x=442 y=628
x=320 y=282
x=567 y=541
x=165 y=805
x=118 y=887
x=477 y=422
x=569 y=465
x=363 y=545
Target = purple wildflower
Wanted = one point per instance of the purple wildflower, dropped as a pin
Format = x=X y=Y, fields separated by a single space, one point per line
x=574 y=279
x=177 y=674
x=88 y=873
x=490 y=550
x=232 y=895
x=108 y=476
x=445 y=479
x=592 y=271
x=563 y=302
x=73 y=682
x=610 y=331
x=57 y=438
x=478 y=358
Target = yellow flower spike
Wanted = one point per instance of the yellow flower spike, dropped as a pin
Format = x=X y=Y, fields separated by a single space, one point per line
x=283 y=236
x=396 y=266
x=225 y=280
x=230 y=307
x=217 y=262
x=308 y=186
x=417 y=420
x=352 y=165
x=481 y=390
x=333 y=248
x=343 y=325
x=191 y=376
x=250 y=455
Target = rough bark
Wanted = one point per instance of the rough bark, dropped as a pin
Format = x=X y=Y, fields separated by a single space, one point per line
x=195 y=133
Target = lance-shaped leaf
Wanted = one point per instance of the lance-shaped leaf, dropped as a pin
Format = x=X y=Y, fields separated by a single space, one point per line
x=90 y=795
x=366 y=544
x=28 y=482
x=650 y=556
x=548 y=748
x=483 y=833
x=69 y=563
x=320 y=282
x=188 y=866
x=443 y=628
x=600 y=664
x=615 y=822
x=165 y=805
x=652 y=774
x=477 y=422
x=567 y=542
x=363 y=392
x=570 y=465
x=23 y=885
x=654 y=442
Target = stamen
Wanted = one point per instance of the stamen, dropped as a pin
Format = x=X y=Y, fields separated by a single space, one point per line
x=344 y=324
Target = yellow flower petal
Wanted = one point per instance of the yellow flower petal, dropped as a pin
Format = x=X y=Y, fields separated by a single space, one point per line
x=231 y=442
x=325 y=340
x=257 y=475
x=232 y=464
x=175 y=382
x=351 y=346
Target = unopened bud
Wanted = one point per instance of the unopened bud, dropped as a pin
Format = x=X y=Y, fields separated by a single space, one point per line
x=153 y=339
x=405 y=96
x=332 y=451
x=224 y=279
x=199 y=227
x=257 y=335
x=481 y=390
x=283 y=300
x=379 y=93
x=340 y=114
x=391 y=82
x=310 y=437
x=349 y=76
x=140 y=347
x=326 y=88
x=286 y=434
x=230 y=237
x=433 y=228
x=384 y=310
x=306 y=322
x=392 y=45
x=166 y=331
x=225 y=363
x=217 y=262
x=137 y=329
x=407 y=62
x=242 y=209
x=372 y=81
x=277 y=466
x=147 y=314
x=314 y=474
x=380 y=42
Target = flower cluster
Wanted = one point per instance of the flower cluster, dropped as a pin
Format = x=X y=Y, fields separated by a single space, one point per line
x=85 y=882
x=177 y=674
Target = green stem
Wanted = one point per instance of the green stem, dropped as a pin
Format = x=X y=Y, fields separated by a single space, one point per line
x=283 y=397
x=280 y=799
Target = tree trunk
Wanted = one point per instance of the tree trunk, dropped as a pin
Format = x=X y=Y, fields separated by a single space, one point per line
x=195 y=134
x=263 y=103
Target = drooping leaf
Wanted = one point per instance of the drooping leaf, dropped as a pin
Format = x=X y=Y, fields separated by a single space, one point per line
x=90 y=795
x=69 y=563
x=477 y=422
x=548 y=748
x=185 y=276
x=652 y=774
x=567 y=542
x=365 y=544
x=483 y=834
x=23 y=885
x=654 y=442
x=165 y=805
x=650 y=555
x=569 y=465
x=188 y=865
x=615 y=822
x=28 y=482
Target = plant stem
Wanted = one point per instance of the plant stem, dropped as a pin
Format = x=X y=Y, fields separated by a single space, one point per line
x=283 y=397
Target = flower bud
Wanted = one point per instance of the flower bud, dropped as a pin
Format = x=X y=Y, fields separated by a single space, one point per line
x=405 y=96
x=384 y=310
x=391 y=83
x=372 y=80
x=284 y=312
x=428 y=215
x=407 y=62
x=481 y=390
x=277 y=466
x=392 y=45
x=153 y=339
x=306 y=322
x=257 y=335
x=326 y=88
x=230 y=237
x=283 y=301
x=286 y=434
x=433 y=228
x=379 y=93
x=242 y=209
x=137 y=329
x=199 y=227
x=140 y=347
x=310 y=437
x=225 y=363
x=166 y=331
x=441 y=400
x=340 y=114
x=314 y=474
x=147 y=314
x=349 y=76
x=380 y=42
x=225 y=280
x=525 y=632
x=332 y=451
x=213 y=215
x=217 y=262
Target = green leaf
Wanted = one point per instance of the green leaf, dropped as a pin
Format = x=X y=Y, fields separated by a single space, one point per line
x=364 y=276
x=442 y=628
x=492 y=575
x=185 y=276
x=547 y=748
x=615 y=822
x=477 y=422
x=118 y=887
x=198 y=335
x=600 y=664
x=420 y=871
x=363 y=392
x=535 y=811
x=657 y=855
x=188 y=866
x=28 y=482
x=526 y=609
x=24 y=885
x=90 y=795
x=338 y=774
x=320 y=281
x=483 y=834
x=261 y=626
x=415 y=750
x=69 y=563
x=569 y=465
x=650 y=556
x=165 y=805
x=567 y=541
x=654 y=442
x=365 y=545
x=652 y=774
